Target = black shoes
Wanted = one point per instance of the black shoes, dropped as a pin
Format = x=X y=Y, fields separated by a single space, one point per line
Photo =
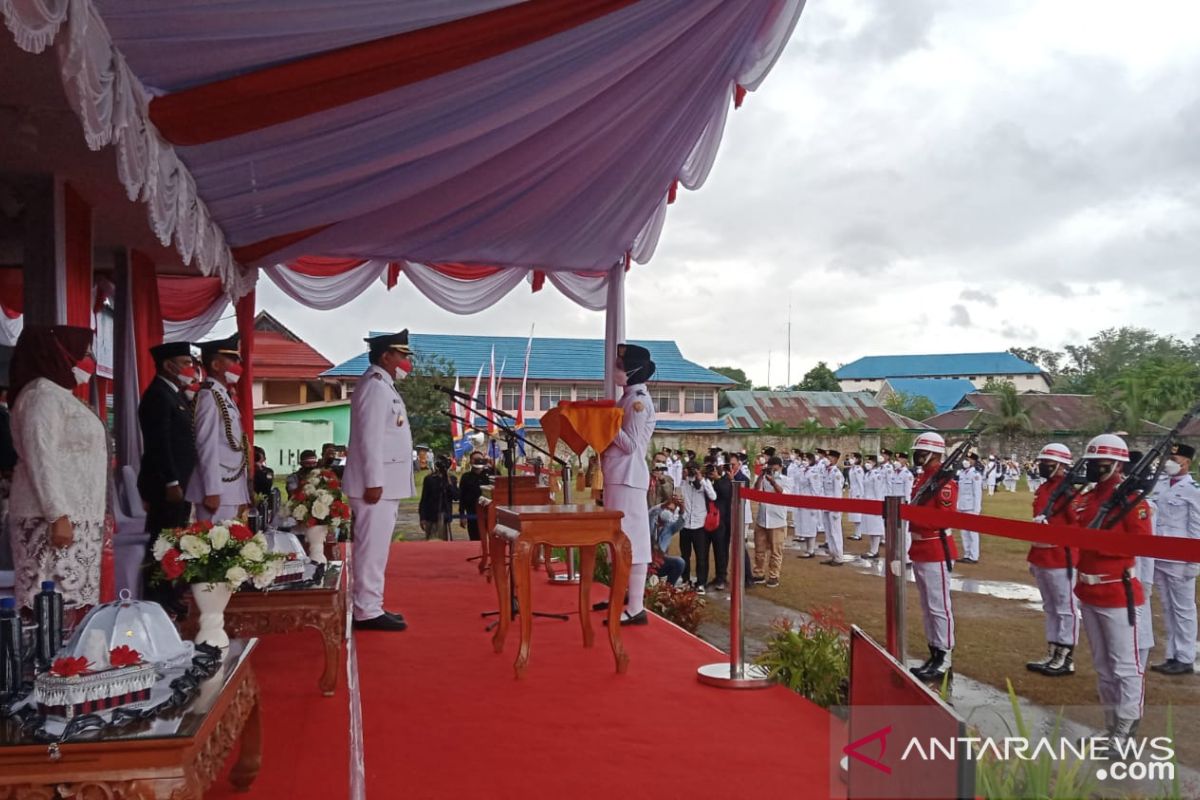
x=1173 y=667
x=384 y=622
x=640 y=618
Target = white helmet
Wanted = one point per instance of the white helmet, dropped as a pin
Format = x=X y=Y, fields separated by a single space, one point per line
x=478 y=439
x=1055 y=452
x=933 y=442
x=1107 y=446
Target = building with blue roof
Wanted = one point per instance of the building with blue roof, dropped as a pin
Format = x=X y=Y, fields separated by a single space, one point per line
x=684 y=393
x=869 y=373
x=944 y=393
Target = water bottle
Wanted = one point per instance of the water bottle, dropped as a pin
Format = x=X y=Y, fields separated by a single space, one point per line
x=48 y=613
x=10 y=648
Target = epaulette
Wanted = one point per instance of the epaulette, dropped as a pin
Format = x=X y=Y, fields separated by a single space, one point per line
x=376 y=376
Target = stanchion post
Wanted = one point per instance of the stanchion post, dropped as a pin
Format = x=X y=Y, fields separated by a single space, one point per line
x=735 y=674
x=895 y=575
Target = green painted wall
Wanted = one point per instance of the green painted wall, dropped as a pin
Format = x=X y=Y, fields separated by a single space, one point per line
x=284 y=439
x=338 y=416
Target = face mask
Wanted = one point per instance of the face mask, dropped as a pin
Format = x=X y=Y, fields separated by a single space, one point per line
x=403 y=369
x=186 y=376
x=852 y=461
x=1095 y=472
x=84 y=369
x=918 y=459
x=233 y=373
x=191 y=389
x=1172 y=468
x=868 y=466
x=477 y=467
x=620 y=378
x=1045 y=470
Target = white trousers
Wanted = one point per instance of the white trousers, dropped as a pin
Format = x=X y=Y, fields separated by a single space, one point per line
x=872 y=543
x=1116 y=657
x=1058 y=603
x=222 y=513
x=373 y=528
x=833 y=532
x=933 y=588
x=1177 y=592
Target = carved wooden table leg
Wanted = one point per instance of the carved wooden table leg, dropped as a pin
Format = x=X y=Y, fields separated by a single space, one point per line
x=521 y=570
x=250 y=757
x=503 y=598
x=331 y=636
x=587 y=566
x=622 y=561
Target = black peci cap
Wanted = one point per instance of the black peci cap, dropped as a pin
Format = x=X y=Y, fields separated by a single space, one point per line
x=161 y=352
x=1185 y=450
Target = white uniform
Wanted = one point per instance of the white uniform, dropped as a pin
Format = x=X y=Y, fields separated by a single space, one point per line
x=874 y=488
x=806 y=525
x=1177 y=513
x=1011 y=473
x=675 y=469
x=379 y=454
x=833 y=482
x=900 y=485
x=626 y=477
x=970 y=501
x=221 y=458
x=857 y=492
x=991 y=475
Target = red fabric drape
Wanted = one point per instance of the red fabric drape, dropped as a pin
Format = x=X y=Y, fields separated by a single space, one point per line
x=182 y=298
x=245 y=387
x=77 y=252
x=295 y=89
x=147 y=315
x=12 y=291
x=323 y=267
x=539 y=280
x=393 y=275
x=465 y=272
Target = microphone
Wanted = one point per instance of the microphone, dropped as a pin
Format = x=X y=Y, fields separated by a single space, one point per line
x=453 y=393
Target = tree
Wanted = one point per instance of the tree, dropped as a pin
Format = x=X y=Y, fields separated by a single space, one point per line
x=996 y=386
x=425 y=404
x=734 y=374
x=913 y=406
x=773 y=427
x=818 y=379
x=850 y=427
x=1049 y=361
x=1011 y=418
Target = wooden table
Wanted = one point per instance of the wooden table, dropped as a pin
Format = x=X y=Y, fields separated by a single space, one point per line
x=175 y=757
x=321 y=607
x=574 y=525
x=526 y=492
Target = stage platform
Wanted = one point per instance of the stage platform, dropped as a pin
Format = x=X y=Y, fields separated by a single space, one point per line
x=443 y=716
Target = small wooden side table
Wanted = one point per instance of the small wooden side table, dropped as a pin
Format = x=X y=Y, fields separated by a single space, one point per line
x=575 y=525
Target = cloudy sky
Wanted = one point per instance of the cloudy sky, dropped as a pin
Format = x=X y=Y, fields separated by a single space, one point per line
x=916 y=176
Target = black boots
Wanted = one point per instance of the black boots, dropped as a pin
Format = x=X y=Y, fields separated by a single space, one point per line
x=1059 y=660
x=1039 y=665
x=935 y=668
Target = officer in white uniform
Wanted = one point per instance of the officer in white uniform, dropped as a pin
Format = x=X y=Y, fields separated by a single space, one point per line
x=970 y=501
x=220 y=484
x=833 y=482
x=1177 y=513
x=626 y=477
x=675 y=468
x=875 y=481
x=379 y=474
x=900 y=485
x=855 y=478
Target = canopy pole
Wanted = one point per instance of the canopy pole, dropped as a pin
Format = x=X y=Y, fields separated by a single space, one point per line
x=614 y=325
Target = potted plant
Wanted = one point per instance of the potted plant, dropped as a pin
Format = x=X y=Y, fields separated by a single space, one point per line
x=216 y=560
x=319 y=507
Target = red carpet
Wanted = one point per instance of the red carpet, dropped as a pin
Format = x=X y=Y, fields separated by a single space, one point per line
x=443 y=716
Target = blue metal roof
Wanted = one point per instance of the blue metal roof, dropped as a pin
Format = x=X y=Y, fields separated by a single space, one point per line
x=938 y=365
x=549 y=359
x=944 y=393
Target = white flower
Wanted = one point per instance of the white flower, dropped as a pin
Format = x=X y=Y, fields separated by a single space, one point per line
x=267 y=576
x=194 y=546
x=218 y=537
x=252 y=551
x=300 y=511
x=236 y=576
x=320 y=510
x=260 y=539
x=161 y=546
x=325 y=497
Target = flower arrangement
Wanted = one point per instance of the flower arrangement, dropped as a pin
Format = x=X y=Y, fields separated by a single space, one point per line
x=811 y=657
x=319 y=501
x=226 y=553
x=679 y=604
x=118 y=657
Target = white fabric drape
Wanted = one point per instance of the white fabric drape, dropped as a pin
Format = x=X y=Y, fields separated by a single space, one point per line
x=10 y=329
x=459 y=296
x=195 y=329
x=589 y=292
x=646 y=241
x=325 y=293
x=125 y=371
x=614 y=325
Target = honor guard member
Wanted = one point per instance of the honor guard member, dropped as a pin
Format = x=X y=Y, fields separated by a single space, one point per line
x=970 y=501
x=874 y=488
x=220 y=483
x=626 y=478
x=833 y=482
x=1177 y=504
x=932 y=554
x=1052 y=567
x=379 y=473
x=1109 y=592
x=856 y=478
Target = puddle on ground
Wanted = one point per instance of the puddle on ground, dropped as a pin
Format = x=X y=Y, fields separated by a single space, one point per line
x=1004 y=590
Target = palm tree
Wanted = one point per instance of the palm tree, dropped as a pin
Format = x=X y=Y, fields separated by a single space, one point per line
x=1010 y=418
x=851 y=427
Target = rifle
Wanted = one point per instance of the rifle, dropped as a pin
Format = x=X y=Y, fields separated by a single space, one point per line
x=935 y=483
x=1068 y=489
x=1142 y=477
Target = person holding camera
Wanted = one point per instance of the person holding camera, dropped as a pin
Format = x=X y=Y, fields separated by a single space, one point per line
x=698 y=492
x=438 y=493
x=666 y=520
x=770 y=525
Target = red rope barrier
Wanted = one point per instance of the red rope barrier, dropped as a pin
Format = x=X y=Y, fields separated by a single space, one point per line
x=1174 y=548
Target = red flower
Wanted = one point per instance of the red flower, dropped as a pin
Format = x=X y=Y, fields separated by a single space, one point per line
x=240 y=532
x=329 y=475
x=299 y=496
x=123 y=656
x=68 y=667
x=203 y=526
x=333 y=484
x=172 y=564
x=339 y=509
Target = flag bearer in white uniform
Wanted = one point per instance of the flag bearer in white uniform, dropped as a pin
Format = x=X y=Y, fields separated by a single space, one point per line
x=855 y=478
x=833 y=483
x=220 y=484
x=970 y=501
x=806 y=518
x=874 y=488
x=901 y=485
x=1177 y=513
x=379 y=474
x=626 y=477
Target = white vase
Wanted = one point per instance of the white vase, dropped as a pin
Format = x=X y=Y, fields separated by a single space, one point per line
x=211 y=599
x=315 y=538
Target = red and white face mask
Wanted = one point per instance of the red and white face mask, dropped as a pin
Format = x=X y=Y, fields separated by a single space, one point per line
x=83 y=370
x=403 y=369
x=186 y=376
x=233 y=373
x=191 y=389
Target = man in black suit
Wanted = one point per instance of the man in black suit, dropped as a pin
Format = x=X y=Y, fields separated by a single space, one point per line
x=168 y=450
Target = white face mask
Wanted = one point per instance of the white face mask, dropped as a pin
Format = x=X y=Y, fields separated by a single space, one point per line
x=619 y=377
x=190 y=394
x=1172 y=468
x=81 y=376
x=231 y=378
